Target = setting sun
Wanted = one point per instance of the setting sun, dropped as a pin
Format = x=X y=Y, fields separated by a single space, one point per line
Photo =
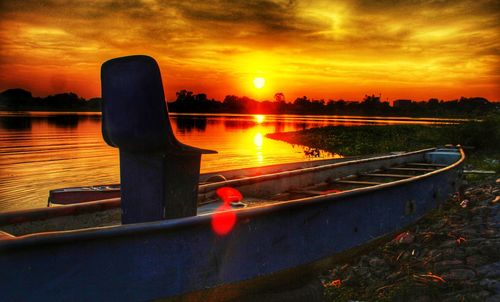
x=259 y=82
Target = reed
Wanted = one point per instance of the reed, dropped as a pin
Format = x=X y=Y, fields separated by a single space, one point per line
x=481 y=137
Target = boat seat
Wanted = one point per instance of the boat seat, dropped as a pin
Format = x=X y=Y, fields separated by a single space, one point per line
x=159 y=175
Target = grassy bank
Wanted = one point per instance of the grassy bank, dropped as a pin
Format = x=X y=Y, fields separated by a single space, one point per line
x=483 y=136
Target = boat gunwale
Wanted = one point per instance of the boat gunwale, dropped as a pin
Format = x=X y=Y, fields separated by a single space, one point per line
x=173 y=224
x=254 y=179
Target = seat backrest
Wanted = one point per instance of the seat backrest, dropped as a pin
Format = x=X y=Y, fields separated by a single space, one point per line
x=135 y=115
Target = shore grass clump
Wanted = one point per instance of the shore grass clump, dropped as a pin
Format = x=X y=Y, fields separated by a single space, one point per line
x=481 y=138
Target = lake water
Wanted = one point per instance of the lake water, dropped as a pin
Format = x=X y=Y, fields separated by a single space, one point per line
x=40 y=151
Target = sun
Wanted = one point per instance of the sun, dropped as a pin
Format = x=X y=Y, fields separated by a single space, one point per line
x=259 y=82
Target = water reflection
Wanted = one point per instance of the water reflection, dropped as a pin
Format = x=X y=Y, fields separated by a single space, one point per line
x=59 y=120
x=186 y=124
x=230 y=124
x=257 y=140
x=42 y=151
x=279 y=126
x=65 y=121
x=259 y=118
x=15 y=123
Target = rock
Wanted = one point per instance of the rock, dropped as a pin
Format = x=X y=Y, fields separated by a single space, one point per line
x=424 y=252
x=476 y=260
x=476 y=220
x=435 y=254
x=488 y=233
x=488 y=247
x=404 y=256
x=471 y=250
x=438 y=225
x=362 y=271
x=494 y=298
x=394 y=276
x=481 y=210
x=448 y=243
x=449 y=299
x=492 y=285
x=445 y=265
x=376 y=262
x=491 y=270
x=405 y=238
x=423 y=298
x=483 y=202
x=469 y=233
x=459 y=275
x=483 y=294
x=496 y=217
x=453 y=253
x=364 y=259
x=349 y=281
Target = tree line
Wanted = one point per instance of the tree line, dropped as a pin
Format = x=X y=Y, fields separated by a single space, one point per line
x=189 y=102
x=20 y=99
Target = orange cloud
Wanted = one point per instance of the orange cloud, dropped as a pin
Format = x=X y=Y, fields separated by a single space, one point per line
x=322 y=49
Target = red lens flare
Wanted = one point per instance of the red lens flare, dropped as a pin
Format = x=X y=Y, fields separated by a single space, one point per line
x=228 y=194
x=224 y=220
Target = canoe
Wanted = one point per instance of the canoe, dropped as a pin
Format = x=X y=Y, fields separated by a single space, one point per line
x=175 y=235
x=82 y=194
x=294 y=223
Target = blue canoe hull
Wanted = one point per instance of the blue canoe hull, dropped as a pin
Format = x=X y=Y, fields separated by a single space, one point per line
x=184 y=258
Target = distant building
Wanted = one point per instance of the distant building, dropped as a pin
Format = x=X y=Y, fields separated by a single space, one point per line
x=401 y=103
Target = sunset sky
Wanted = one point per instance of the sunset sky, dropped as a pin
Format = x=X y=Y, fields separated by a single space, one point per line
x=322 y=49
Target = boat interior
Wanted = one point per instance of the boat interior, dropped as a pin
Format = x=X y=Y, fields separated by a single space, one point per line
x=364 y=176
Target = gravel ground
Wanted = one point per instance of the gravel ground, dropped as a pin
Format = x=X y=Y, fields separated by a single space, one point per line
x=451 y=255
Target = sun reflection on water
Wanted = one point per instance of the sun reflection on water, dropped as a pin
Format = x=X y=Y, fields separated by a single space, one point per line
x=258 y=140
x=259 y=118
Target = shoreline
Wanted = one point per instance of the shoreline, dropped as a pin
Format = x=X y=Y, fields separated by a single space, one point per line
x=450 y=117
x=449 y=255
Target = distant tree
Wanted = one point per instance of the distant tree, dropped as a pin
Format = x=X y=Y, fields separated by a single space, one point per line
x=433 y=101
x=17 y=93
x=94 y=104
x=184 y=96
x=64 y=100
x=16 y=97
x=279 y=97
x=371 y=99
x=200 y=97
x=187 y=101
x=232 y=103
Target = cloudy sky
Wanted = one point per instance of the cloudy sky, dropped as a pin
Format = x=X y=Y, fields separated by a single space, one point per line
x=323 y=49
